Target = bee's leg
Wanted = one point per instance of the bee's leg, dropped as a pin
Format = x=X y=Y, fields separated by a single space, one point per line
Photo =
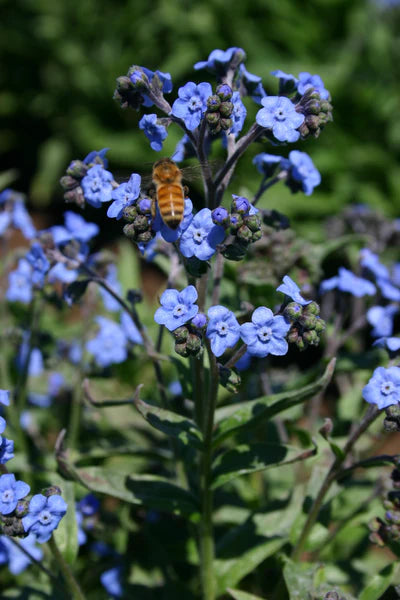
x=186 y=191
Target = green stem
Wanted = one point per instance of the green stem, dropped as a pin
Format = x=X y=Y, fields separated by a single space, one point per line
x=75 y=414
x=206 y=525
x=67 y=574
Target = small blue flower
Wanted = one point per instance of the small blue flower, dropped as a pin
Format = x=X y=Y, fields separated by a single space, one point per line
x=97 y=185
x=111 y=580
x=124 y=195
x=388 y=290
x=16 y=558
x=223 y=329
x=219 y=60
x=20 y=280
x=37 y=259
x=392 y=344
x=171 y=235
x=279 y=115
x=110 y=303
x=199 y=321
x=307 y=81
x=5 y=397
x=44 y=515
x=22 y=220
x=381 y=318
x=177 y=308
x=265 y=334
x=131 y=332
x=79 y=229
x=371 y=261
x=346 y=281
x=60 y=272
x=240 y=204
x=238 y=115
x=383 y=388
x=192 y=103
x=201 y=238
x=35 y=363
x=97 y=157
x=267 y=164
x=252 y=84
x=10 y=492
x=6 y=450
x=89 y=505
x=291 y=289
x=175 y=388
x=55 y=384
x=220 y=216
x=284 y=76
x=2 y=427
x=109 y=346
x=302 y=172
x=154 y=132
x=164 y=78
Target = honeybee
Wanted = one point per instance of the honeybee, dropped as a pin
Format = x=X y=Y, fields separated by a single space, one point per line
x=169 y=192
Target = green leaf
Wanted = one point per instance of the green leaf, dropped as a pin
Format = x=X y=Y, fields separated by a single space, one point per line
x=300 y=579
x=248 y=458
x=149 y=490
x=229 y=419
x=171 y=423
x=238 y=595
x=66 y=534
x=379 y=583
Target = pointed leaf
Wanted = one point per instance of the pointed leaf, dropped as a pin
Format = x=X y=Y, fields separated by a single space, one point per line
x=248 y=458
x=300 y=579
x=379 y=583
x=66 y=534
x=230 y=419
x=150 y=490
x=171 y=423
x=238 y=595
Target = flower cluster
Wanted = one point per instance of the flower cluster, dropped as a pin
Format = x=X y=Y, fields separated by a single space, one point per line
x=298 y=171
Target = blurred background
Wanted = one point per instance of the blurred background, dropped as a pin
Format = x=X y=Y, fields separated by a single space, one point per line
x=60 y=61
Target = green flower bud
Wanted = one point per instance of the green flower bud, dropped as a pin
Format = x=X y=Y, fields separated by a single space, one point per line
x=308 y=321
x=144 y=237
x=181 y=334
x=244 y=234
x=311 y=337
x=224 y=91
x=320 y=325
x=213 y=103
x=68 y=183
x=293 y=311
x=229 y=378
x=236 y=222
x=129 y=213
x=141 y=223
x=300 y=344
x=212 y=118
x=253 y=222
x=312 y=308
x=226 y=123
x=257 y=235
x=193 y=344
x=182 y=350
x=129 y=231
x=77 y=169
x=226 y=109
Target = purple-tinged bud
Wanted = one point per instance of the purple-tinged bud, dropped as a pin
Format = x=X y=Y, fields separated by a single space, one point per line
x=220 y=216
x=199 y=321
x=236 y=222
x=240 y=205
x=226 y=109
x=22 y=508
x=225 y=123
x=224 y=91
x=68 y=183
x=181 y=334
x=144 y=206
x=138 y=78
x=75 y=196
x=293 y=336
x=293 y=311
x=129 y=231
x=213 y=103
x=308 y=321
x=129 y=213
x=77 y=169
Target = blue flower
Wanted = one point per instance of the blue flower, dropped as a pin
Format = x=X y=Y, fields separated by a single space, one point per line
x=10 y=492
x=392 y=344
x=220 y=216
x=55 y=383
x=381 y=318
x=252 y=84
x=192 y=103
x=60 y=272
x=371 y=261
x=175 y=388
x=164 y=78
x=291 y=289
x=97 y=157
x=109 y=346
x=265 y=334
x=131 y=332
x=302 y=172
x=89 y=505
x=110 y=303
x=35 y=363
x=79 y=229
x=346 y=281
x=267 y=164
x=219 y=60
x=5 y=221
x=5 y=397
x=239 y=113
x=388 y=290
x=81 y=534
x=285 y=77
x=199 y=321
x=6 y=450
x=124 y=195
x=279 y=115
x=20 y=280
x=171 y=235
x=111 y=580
x=2 y=427
x=37 y=259
x=17 y=559
x=22 y=220
x=223 y=329
x=383 y=388
x=97 y=185
x=177 y=308
x=307 y=81
x=44 y=515
x=154 y=132
x=240 y=204
x=201 y=238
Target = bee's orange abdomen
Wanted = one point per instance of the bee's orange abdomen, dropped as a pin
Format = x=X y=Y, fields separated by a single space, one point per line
x=170 y=198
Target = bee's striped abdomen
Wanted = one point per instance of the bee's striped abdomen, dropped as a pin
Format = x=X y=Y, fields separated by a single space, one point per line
x=170 y=200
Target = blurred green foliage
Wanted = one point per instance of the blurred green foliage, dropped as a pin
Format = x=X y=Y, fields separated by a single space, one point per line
x=60 y=60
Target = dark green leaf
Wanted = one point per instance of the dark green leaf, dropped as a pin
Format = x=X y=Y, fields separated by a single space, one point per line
x=238 y=595
x=379 y=583
x=230 y=419
x=170 y=423
x=66 y=534
x=150 y=490
x=300 y=579
x=248 y=458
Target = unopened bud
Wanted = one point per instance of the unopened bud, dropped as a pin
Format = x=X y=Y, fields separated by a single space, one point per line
x=129 y=214
x=293 y=311
x=312 y=308
x=226 y=109
x=225 y=123
x=181 y=334
x=144 y=237
x=311 y=337
x=212 y=118
x=77 y=169
x=182 y=350
x=320 y=325
x=293 y=336
x=193 y=343
x=224 y=91
x=53 y=490
x=141 y=223
x=229 y=378
x=244 y=234
x=253 y=222
x=213 y=103
x=68 y=183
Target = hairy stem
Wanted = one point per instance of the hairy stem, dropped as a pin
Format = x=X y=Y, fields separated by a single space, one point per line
x=73 y=586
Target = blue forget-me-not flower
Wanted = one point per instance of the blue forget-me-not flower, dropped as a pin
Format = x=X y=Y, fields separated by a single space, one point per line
x=223 y=329
x=177 y=308
x=201 y=238
x=383 y=389
x=265 y=334
x=10 y=492
x=192 y=103
x=44 y=515
x=154 y=132
x=280 y=116
x=291 y=289
x=97 y=186
x=124 y=195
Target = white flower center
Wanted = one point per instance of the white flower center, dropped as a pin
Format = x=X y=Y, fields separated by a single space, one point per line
x=179 y=310
x=387 y=387
x=7 y=495
x=45 y=517
x=264 y=333
x=222 y=328
x=199 y=235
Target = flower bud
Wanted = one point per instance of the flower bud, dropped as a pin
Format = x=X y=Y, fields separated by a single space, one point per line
x=391 y=426
x=22 y=508
x=137 y=78
x=240 y=205
x=300 y=343
x=144 y=206
x=224 y=91
x=226 y=109
x=293 y=311
x=182 y=350
x=129 y=213
x=236 y=251
x=199 y=321
x=308 y=321
x=253 y=222
x=311 y=337
x=144 y=237
x=129 y=231
x=77 y=169
x=193 y=344
x=181 y=334
x=229 y=378
x=68 y=183
x=244 y=234
x=320 y=325
x=293 y=335
x=53 y=490
x=312 y=308
x=236 y=222
x=213 y=103
x=75 y=196
x=141 y=223
x=220 y=216
x=226 y=123
x=212 y=118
